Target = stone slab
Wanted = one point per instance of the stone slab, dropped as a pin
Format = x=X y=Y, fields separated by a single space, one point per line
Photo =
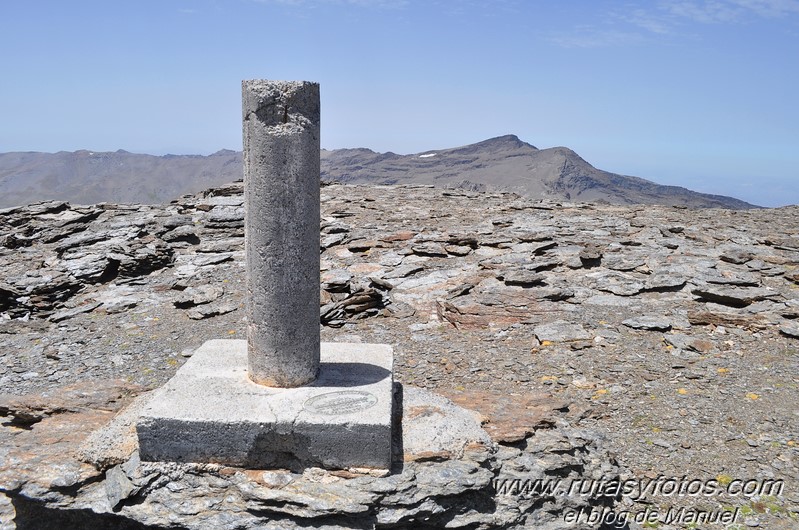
x=210 y=411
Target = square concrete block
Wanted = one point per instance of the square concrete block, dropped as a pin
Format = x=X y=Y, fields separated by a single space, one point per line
x=210 y=411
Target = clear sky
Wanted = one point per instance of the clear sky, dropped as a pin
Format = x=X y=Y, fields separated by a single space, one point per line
x=697 y=93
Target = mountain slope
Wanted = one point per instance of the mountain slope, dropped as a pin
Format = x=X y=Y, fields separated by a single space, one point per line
x=504 y=163
x=86 y=177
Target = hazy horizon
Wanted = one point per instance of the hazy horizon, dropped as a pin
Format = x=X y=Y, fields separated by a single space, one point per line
x=694 y=93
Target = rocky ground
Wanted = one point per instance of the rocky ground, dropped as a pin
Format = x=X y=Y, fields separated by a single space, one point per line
x=672 y=331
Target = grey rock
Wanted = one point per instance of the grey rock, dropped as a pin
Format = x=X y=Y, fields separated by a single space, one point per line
x=494 y=240
x=790 y=329
x=522 y=277
x=662 y=281
x=435 y=250
x=590 y=255
x=332 y=240
x=118 y=486
x=88 y=267
x=554 y=294
x=335 y=227
x=210 y=310
x=727 y=277
x=404 y=270
x=735 y=296
x=687 y=342
x=649 y=323
x=765 y=269
x=534 y=235
x=177 y=221
x=202 y=294
x=561 y=331
x=615 y=282
x=119 y=304
x=736 y=255
x=75 y=311
x=336 y=280
x=221 y=246
x=456 y=324
x=357 y=299
x=608 y=300
x=225 y=218
x=185 y=233
x=212 y=259
x=362 y=245
x=424 y=432
x=622 y=263
x=458 y=250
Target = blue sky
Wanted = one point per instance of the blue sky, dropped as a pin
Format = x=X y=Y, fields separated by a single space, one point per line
x=697 y=93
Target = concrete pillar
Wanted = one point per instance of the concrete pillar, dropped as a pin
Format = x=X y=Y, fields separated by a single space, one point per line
x=281 y=190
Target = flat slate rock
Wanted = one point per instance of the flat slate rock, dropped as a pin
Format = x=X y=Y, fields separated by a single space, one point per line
x=615 y=282
x=649 y=323
x=735 y=296
x=522 y=277
x=790 y=329
x=561 y=331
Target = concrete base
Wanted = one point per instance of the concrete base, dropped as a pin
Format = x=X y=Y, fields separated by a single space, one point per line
x=210 y=411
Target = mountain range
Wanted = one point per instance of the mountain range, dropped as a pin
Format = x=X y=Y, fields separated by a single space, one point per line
x=505 y=163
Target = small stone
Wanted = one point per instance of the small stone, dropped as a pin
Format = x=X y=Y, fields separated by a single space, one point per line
x=649 y=323
x=435 y=250
x=212 y=259
x=331 y=240
x=119 y=304
x=735 y=296
x=591 y=254
x=522 y=277
x=181 y=233
x=404 y=271
x=790 y=329
x=458 y=250
x=276 y=479
x=75 y=311
x=118 y=486
x=615 y=282
x=561 y=331
x=202 y=294
x=736 y=255
x=663 y=281
x=210 y=310
x=362 y=245
x=685 y=342
x=335 y=280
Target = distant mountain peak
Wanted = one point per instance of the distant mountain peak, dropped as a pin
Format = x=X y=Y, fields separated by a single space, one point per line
x=507 y=142
x=505 y=138
x=224 y=152
x=506 y=163
x=501 y=164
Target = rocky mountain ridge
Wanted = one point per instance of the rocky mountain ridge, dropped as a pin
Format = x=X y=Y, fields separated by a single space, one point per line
x=507 y=164
x=504 y=163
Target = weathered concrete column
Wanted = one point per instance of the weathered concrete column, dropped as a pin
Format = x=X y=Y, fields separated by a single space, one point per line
x=209 y=411
x=281 y=189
